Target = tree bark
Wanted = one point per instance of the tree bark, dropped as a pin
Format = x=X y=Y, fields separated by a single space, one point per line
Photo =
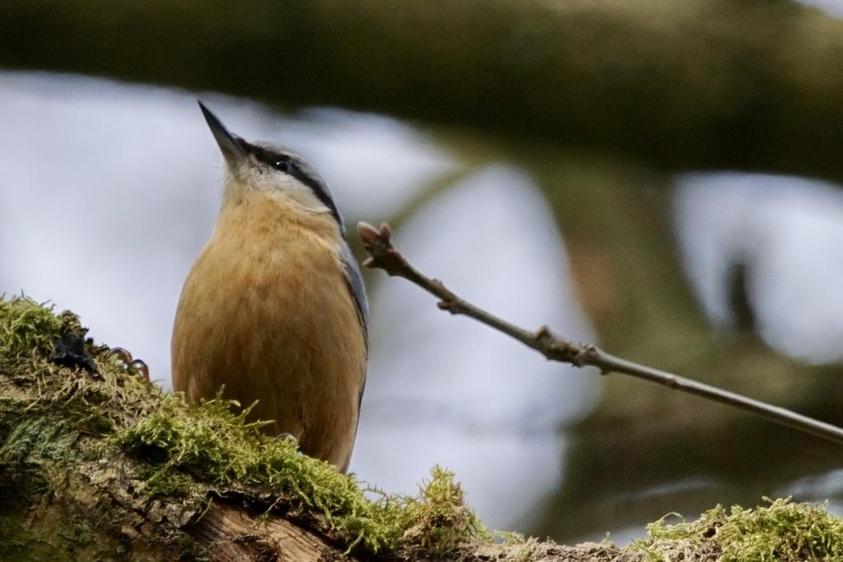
x=232 y=534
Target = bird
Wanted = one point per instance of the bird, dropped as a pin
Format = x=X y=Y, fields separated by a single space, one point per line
x=273 y=313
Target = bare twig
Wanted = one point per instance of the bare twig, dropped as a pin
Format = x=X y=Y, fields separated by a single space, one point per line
x=377 y=243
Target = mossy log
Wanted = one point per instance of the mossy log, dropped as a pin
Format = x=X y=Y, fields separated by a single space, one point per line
x=97 y=463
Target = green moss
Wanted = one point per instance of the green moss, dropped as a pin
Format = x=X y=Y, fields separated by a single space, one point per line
x=779 y=531
x=439 y=521
x=192 y=451
x=78 y=532
x=24 y=544
x=52 y=417
x=57 y=537
x=213 y=441
x=27 y=329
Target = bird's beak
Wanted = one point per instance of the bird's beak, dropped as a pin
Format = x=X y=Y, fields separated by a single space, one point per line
x=229 y=143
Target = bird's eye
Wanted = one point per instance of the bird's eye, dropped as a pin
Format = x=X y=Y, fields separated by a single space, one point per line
x=282 y=166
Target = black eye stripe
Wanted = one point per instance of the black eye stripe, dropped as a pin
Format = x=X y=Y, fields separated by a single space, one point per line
x=288 y=165
x=319 y=190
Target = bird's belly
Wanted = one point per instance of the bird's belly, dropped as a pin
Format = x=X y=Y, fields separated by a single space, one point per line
x=277 y=326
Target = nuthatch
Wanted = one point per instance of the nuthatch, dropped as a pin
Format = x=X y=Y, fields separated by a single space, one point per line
x=274 y=309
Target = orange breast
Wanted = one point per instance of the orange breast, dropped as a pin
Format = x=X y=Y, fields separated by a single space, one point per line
x=266 y=312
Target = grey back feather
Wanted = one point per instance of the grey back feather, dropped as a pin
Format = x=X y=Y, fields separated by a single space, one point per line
x=355 y=285
x=358 y=292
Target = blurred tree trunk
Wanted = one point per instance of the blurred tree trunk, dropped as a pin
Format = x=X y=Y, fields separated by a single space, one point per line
x=678 y=85
x=618 y=225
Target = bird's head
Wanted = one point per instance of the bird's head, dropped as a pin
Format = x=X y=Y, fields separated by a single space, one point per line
x=271 y=169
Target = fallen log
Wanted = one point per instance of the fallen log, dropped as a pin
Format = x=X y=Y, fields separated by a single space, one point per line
x=97 y=463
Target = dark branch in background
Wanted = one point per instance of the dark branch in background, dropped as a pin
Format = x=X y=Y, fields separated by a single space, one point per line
x=740 y=303
x=690 y=85
x=382 y=255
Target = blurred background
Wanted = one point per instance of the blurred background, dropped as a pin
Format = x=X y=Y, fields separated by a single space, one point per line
x=662 y=178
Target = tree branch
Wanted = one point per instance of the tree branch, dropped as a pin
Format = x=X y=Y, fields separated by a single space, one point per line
x=697 y=84
x=383 y=255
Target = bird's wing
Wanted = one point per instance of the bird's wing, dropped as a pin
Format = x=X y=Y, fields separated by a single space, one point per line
x=354 y=279
x=357 y=289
